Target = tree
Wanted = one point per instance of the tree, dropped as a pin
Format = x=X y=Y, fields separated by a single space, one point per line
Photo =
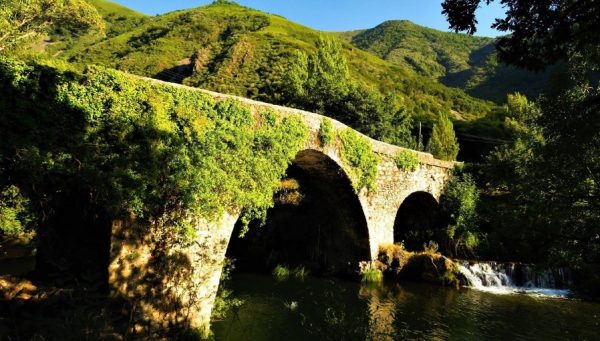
x=541 y=32
x=555 y=185
x=322 y=83
x=443 y=143
x=459 y=205
x=329 y=77
x=21 y=21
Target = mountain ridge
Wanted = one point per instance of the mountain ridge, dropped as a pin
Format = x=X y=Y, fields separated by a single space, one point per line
x=242 y=51
x=454 y=59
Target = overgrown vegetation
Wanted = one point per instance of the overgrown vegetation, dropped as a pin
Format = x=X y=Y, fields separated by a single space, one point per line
x=407 y=160
x=362 y=161
x=326 y=133
x=282 y=272
x=395 y=262
x=166 y=155
x=372 y=276
x=459 y=204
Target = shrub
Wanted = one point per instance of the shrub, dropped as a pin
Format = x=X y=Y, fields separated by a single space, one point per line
x=326 y=133
x=372 y=276
x=15 y=213
x=281 y=272
x=407 y=160
x=431 y=247
x=360 y=157
x=300 y=273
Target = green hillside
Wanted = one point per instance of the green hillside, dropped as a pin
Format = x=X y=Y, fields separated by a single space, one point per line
x=118 y=19
x=456 y=60
x=234 y=49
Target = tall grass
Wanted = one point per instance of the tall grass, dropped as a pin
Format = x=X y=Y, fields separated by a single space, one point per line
x=372 y=276
x=282 y=272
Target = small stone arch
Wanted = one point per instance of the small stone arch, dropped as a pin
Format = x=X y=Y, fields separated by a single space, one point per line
x=418 y=221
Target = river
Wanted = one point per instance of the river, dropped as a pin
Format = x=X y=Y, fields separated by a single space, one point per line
x=337 y=309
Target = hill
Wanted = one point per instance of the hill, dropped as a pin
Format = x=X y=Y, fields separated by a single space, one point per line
x=456 y=60
x=234 y=49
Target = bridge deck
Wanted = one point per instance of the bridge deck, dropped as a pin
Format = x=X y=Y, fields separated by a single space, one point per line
x=313 y=120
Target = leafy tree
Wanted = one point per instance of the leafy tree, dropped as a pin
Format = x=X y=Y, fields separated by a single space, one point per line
x=443 y=143
x=541 y=32
x=555 y=185
x=328 y=75
x=322 y=83
x=21 y=21
x=459 y=203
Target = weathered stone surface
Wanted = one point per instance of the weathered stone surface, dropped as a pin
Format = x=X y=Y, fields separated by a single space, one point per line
x=169 y=286
x=179 y=285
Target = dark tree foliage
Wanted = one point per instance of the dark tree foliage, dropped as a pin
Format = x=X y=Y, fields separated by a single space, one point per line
x=541 y=31
x=550 y=174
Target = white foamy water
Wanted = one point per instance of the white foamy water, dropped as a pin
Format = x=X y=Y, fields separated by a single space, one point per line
x=504 y=278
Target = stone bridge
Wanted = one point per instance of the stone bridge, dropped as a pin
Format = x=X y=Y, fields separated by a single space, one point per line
x=195 y=284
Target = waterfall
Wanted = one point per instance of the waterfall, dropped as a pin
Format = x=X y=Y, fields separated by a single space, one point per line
x=515 y=278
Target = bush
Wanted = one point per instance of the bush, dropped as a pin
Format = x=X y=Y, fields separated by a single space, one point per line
x=326 y=133
x=407 y=160
x=15 y=213
x=372 y=276
x=300 y=273
x=281 y=272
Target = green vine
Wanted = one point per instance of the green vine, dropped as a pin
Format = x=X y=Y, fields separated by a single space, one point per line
x=407 y=160
x=165 y=154
x=326 y=133
x=360 y=157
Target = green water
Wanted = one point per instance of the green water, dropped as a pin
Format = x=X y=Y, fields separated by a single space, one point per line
x=334 y=309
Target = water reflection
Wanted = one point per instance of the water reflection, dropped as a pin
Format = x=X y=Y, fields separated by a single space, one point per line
x=331 y=309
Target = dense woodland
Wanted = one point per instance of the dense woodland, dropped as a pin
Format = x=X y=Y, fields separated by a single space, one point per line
x=77 y=132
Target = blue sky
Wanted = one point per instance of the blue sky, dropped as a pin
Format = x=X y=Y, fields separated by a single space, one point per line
x=339 y=15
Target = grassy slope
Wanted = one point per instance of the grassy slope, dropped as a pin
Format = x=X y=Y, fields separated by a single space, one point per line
x=117 y=18
x=456 y=60
x=245 y=52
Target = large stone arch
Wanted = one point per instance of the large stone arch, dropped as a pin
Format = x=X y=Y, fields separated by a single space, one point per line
x=317 y=222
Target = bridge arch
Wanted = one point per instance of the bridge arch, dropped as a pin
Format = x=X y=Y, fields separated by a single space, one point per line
x=418 y=221
x=317 y=222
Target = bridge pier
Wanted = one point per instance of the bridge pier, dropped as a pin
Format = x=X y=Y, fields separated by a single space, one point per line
x=174 y=286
